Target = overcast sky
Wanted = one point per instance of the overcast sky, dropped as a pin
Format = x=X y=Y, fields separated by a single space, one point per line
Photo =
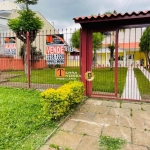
x=60 y=13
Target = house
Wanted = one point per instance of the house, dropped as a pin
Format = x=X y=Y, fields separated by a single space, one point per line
x=128 y=49
x=9 y=10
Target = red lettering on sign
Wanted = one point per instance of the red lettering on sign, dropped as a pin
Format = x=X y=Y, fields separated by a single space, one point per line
x=55 y=50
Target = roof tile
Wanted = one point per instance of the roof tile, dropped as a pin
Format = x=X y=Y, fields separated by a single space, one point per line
x=111 y=15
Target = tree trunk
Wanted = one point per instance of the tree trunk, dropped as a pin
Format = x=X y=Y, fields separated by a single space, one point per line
x=147 y=59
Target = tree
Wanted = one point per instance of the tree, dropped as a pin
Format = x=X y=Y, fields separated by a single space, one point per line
x=27 y=21
x=145 y=45
x=111 y=46
x=36 y=55
x=97 y=39
x=27 y=2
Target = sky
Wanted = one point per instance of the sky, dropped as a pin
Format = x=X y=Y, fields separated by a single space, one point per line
x=60 y=13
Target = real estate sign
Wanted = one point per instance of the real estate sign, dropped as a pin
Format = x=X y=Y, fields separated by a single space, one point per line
x=10 y=46
x=55 y=51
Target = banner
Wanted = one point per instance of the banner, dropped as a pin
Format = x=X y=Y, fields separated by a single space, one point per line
x=10 y=46
x=55 y=52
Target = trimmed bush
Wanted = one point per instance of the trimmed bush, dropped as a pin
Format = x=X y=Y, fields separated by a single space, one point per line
x=57 y=103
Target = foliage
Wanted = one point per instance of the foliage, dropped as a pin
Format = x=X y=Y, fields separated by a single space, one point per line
x=109 y=12
x=21 y=121
x=29 y=2
x=145 y=45
x=109 y=143
x=75 y=39
x=111 y=47
x=96 y=39
x=56 y=103
x=54 y=66
x=36 y=55
x=57 y=147
x=27 y=21
x=143 y=83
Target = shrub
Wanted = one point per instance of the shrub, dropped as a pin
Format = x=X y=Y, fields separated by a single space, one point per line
x=57 y=103
x=57 y=66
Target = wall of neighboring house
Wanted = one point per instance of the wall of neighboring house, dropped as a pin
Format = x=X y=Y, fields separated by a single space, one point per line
x=40 y=41
x=128 y=42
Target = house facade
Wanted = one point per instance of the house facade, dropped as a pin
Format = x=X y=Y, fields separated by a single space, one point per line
x=128 y=49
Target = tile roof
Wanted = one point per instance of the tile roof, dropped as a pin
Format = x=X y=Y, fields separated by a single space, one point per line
x=101 y=17
x=131 y=45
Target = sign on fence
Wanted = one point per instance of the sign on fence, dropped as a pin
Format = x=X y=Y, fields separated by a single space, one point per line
x=55 y=49
x=10 y=46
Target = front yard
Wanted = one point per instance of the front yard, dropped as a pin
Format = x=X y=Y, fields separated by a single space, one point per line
x=21 y=124
x=103 y=78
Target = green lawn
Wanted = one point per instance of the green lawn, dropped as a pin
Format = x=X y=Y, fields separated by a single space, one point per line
x=143 y=83
x=21 y=124
x=44 y=76
x=103 y=80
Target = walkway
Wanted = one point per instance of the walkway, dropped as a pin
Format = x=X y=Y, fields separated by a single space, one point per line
x=131 y=90
x=145 y=72
x=128 y=121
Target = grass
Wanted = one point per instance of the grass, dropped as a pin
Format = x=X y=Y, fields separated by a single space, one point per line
x=57 y=147
x=109 y=143
x=143 y=83
x=21 y=124
x=103 y=78
x=44 y=76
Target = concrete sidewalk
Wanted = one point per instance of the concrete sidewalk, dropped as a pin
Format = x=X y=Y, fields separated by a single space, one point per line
x=131 y=90
x=129 y=121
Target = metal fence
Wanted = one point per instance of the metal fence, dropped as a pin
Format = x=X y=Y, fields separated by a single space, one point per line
x=131 y=79
x=54 y=66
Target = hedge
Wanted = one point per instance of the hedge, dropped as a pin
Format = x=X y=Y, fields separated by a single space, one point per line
x=57 y=103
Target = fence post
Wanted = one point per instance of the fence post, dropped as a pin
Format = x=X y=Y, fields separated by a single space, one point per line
x=28 y=57
x=116 y=64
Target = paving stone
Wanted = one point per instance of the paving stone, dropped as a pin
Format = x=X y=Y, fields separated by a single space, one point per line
x=105 y=119
x=69 y=125
x=89 y=128
x=147 y=124
x=84 y=108
x=141 y=137
x=89 y=143
x=133 y=122
x=119 y=111
x=142 y=114
x=118 y=132
x=93 y=102
x=134 y=147
x=131 y=106
x=99 y=109
x=66 y=139
x=146 y=107
x=84 y=116
x=46 y=147
x=111 y=104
